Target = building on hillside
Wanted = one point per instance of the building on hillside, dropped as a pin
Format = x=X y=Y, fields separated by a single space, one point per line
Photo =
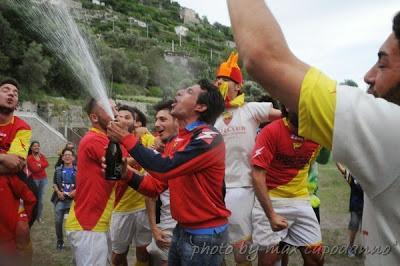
x=137 y=22
x=98 y=2
x=189 y=16
x=181 y=31
x=71 y=4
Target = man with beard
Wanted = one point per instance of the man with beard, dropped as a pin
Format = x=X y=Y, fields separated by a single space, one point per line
x=193 y=171
x=15 y=135
x=361 y=130
x=167 y=127
x=89 y=216
x=129 y=222
x=283 y=214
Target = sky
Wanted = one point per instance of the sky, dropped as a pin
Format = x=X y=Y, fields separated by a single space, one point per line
x=340 y=37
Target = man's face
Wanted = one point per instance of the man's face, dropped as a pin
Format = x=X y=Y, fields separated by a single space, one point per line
x=126 y=120
x=100 y=117
x=8 y=98
x=384 y=76
x=233 y=87
x=166 y=125
x=186 y=106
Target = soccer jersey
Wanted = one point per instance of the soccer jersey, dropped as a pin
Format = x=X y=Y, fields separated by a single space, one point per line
x=194 y=172
x=363 y=132
x=94 y=198
x=14 y=139
x=238 y=127
x=128 y=199
x=286 y=157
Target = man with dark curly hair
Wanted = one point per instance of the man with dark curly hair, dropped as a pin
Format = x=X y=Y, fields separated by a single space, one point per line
x=361 y=130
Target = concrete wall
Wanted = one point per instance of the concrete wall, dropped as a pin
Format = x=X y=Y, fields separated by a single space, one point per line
x=51 y=141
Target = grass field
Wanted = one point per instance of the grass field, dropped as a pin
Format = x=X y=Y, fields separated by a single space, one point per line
x=334 y=194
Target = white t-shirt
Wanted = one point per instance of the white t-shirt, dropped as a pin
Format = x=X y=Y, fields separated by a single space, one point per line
x=238 y=126
x=166 y=220
x=366 y=139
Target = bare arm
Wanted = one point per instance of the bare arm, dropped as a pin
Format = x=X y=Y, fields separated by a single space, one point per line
x=341 y=168
x=277 y=222
x=274 y=114
x=162 y=239
x=264 y=51
x=11 y=164
x=151 y=211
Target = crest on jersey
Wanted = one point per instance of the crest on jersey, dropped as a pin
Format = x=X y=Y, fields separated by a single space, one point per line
x=227 y=116
x=207 y=135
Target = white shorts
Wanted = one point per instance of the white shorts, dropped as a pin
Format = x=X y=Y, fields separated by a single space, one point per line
x=240 y=202
x=129 y=228
x=303 y=229
x=154 y=250
x=90 y=248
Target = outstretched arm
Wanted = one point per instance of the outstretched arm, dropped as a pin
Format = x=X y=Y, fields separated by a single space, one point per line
x=264 y=51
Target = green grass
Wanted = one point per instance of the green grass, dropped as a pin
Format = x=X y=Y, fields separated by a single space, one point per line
x=334 y=194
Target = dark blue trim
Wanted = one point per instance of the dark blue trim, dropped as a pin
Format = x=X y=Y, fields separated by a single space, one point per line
x=136 y=180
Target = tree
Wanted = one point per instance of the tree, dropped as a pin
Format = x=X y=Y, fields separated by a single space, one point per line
x=32 y=73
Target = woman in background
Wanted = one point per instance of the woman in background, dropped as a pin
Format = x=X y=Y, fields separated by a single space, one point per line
x=37 y=163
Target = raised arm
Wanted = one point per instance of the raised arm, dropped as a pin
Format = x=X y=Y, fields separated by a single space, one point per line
x=264 y=51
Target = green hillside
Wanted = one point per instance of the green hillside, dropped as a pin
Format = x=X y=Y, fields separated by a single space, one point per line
x=131 y=56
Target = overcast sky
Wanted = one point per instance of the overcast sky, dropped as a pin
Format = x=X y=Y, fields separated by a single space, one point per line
x=340 y=37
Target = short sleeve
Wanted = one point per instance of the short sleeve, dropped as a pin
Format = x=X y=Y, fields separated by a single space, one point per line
x=260 y=111
x=317 y=107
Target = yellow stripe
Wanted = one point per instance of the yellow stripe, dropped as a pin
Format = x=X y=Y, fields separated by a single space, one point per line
x=20 y=144
x=131 y=199
x=72 y=223
x=298 y=186
x=104 y=222
x=317 y=107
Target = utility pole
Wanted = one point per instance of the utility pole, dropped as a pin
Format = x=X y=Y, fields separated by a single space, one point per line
x=173 y=46
x=180 y=40
x=147 y=30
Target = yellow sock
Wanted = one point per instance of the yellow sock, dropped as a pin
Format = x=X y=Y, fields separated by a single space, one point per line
x=142 y=263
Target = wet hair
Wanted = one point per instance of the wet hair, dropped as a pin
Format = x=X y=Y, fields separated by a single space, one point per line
x=30 y=147
x=136 y=113
x=128 y=108
x=10 y=81
x=140 y=116
x=163 y=105
x=212 y=98
x=396 y=25
x=90 y=106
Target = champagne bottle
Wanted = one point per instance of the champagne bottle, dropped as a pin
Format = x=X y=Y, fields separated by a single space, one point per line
x=113 y=161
